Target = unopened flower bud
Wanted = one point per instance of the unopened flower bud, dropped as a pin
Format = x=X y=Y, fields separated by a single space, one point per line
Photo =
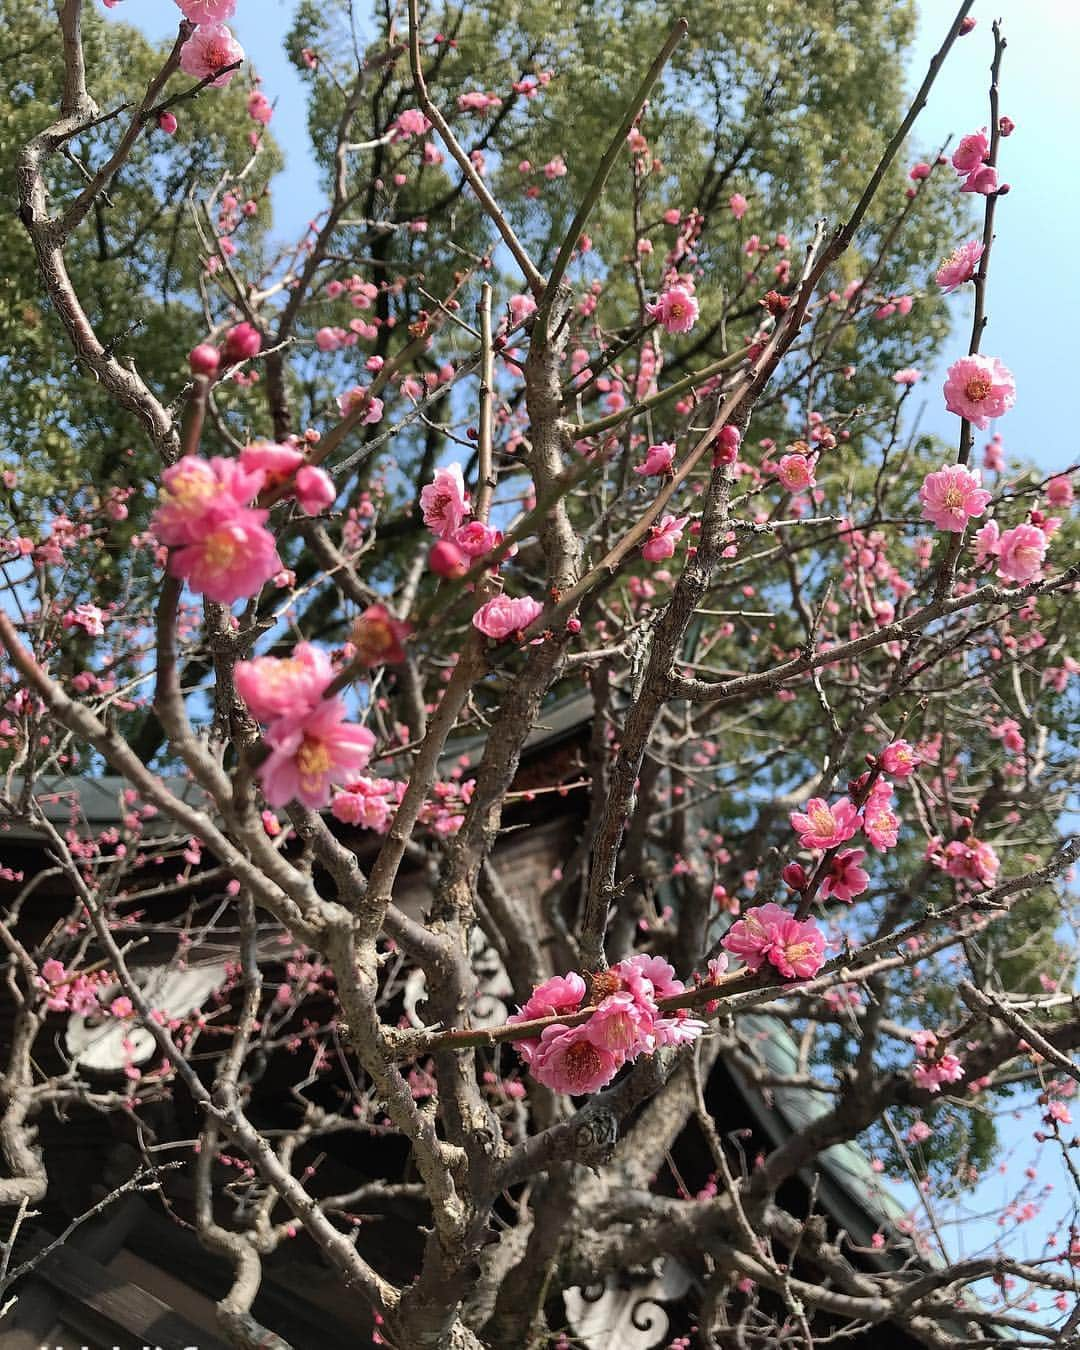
x=204 y=359
x=168 y=124
x=794 y=875
x=242 y=342
x=447 y=560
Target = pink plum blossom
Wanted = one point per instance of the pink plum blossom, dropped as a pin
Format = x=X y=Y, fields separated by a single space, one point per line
x=569 y=1061
x=310 y=750
x=273 y=686
x=971 y=152
x=1059 y=490
x=930 y=1074
x=259 y=107
x=663 y=538
x=502 y=617
x=987 y=542
x=658 y=460
x=232 y=560
x=768 y=933
x=87 y=617
x=364 y=802
x=622 y=1025
x=979 y=388
x=444 y=501
x=796 y=472
x=195 y=491
x=881 y=825
x=952 y=496
x=359 y=399
x=737 y=204
x=900 y=758
x=845 y=878
x=377 y=637
x=959 y=266
x=1020 y=553
x=475 y=539
x=822 y=826
x=314 y=489
x=971 y=859
x=984 y=179
x=676 y=310
x=210 y=49
x=207 y=11
x=411 y=122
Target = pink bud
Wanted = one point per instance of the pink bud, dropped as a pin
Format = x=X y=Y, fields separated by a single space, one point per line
x=794 y=875
x=1006 y=126
x=966 y=25
x=204 y=359
x=447 y=560
x=242 y=342
x=168 y=123
x=727 y=445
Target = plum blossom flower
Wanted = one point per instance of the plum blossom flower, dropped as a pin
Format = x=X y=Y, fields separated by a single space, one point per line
x=314 y=489
x=845 y=878
x=971 y=859
x=310 y=750
x=663 y=538
x=1020 y=553
x=979 y=388
x=908 y=376
x=210 y=49
x=444 y=501
x=987 y=543
x=232 y=560
x=622 y=1025
x=567 y=1060
x=194 y=491
x=971 y=152
x=881 y=825
x=87 y=617
x=984 y=179
x=959 y=266
x=1059 y=490
x=273 y=686
x=411 y=122
x=359 y=399
x=259 y=107
x=364 y=802
x=796 y=472
x=952 y=496
x=737 y=204
x=475 y=539
x=825 y=826
x=207 y=11
x=377 y=637
x=675 y=309
x=768 y=933
x=930 y=1074
x=502 y=617
x=900 y=758
x=658 y=460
